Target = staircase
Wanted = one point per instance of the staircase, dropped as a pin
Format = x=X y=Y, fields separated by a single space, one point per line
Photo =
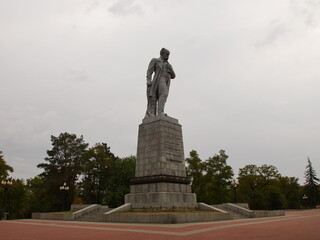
x=234 y=214
x=94 y=216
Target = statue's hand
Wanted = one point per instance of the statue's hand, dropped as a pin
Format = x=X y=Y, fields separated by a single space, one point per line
x=149 y=83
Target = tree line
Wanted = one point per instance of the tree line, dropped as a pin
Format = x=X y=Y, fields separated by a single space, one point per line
x=90 y=175
x=73 y=172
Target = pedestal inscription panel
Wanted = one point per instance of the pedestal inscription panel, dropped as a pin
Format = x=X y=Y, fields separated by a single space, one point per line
x=160 y=147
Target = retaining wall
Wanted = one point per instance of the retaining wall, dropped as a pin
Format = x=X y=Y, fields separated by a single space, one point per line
x=165 y=218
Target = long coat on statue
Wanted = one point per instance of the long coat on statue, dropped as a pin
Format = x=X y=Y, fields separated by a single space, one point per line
x=155 y=66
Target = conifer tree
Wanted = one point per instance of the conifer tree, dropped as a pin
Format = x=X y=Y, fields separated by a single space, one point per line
x=63 y=165
x=311 y=186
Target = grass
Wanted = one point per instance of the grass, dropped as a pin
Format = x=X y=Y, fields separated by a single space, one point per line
x=64 y=212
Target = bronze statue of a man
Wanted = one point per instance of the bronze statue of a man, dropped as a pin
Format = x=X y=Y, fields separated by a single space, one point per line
x=158 y=87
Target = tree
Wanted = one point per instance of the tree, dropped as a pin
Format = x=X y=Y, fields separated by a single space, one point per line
x=36 y=195
x=257 y=186
x=96 y=173
x=119 y=182
x=311 y=188
x=105 y=178
x=195 y=170
x=291 y=189
x=218 y=179
x=64 y=164
x=210 y=179
x=16 y=195
x=4 y=167
x=17 y=204
x=4 y=173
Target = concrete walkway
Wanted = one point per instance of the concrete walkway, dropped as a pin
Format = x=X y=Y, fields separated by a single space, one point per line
x=296 y=225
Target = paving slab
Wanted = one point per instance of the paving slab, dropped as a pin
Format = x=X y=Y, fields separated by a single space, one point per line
x=296 y=225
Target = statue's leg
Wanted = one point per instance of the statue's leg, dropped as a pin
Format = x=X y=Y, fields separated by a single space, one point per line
x=151 y=105
x=163 y=95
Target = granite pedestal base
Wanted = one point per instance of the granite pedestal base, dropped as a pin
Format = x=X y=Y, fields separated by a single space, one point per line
x=160 y=181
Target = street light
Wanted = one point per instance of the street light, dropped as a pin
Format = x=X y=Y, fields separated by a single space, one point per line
x=305 y=197
x=6 y=183
x=235 y=185
x=64 y=188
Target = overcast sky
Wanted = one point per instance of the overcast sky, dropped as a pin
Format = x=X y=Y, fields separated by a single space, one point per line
x=247 y=77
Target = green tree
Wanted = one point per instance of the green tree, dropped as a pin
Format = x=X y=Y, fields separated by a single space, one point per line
x=106 y=178
x=291 y=189
x=218 y=179
x=257 y=186
x=98 y=164
x=4 y=167
x=4 y=173
x=17 y=204
x=63 y=164
x=36 y=195
x=210 y=179
x=119 y=181
x=311 y=188
x=195 y=171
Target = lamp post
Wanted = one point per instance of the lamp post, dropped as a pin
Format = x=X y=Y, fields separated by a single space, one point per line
x=6 y=183
x=64 y=188
x=305 y=197
x=235 y=185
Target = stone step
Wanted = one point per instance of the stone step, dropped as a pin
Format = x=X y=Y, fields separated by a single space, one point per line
x=234 y=214
x=95 y=216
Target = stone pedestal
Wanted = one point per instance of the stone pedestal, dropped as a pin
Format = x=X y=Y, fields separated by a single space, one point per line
x=160 y=177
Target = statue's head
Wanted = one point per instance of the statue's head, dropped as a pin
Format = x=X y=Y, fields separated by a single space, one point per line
x=164 y=53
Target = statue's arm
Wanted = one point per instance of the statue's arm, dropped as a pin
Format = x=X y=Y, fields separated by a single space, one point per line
x=150 y=70
x=172 y=73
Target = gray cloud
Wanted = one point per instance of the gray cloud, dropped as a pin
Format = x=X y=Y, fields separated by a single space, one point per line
x=275 y=30
x=307 y=11
x=126 y=7
x=77 y=75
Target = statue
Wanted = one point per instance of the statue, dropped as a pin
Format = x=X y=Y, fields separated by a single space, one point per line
x=158 y=87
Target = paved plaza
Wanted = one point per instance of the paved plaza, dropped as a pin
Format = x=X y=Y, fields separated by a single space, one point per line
x=296 y=225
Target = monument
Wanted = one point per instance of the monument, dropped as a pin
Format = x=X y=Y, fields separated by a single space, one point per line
x=160 y=181
x=160 y=192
